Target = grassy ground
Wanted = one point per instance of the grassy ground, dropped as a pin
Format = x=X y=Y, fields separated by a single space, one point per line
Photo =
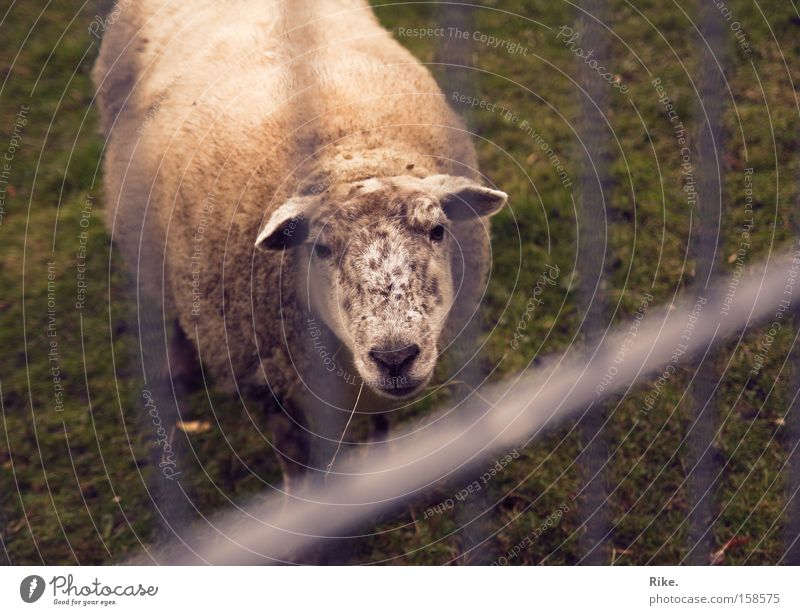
x=74 y=479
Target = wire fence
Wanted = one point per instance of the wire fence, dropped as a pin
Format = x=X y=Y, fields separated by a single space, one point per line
x=501 y=417
x=510 y=415
x=481 y=422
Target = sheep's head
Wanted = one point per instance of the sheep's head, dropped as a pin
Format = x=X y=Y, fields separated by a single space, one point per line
x=379 y=266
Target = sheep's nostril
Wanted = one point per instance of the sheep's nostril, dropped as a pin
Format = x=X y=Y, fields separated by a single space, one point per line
x=396 y=360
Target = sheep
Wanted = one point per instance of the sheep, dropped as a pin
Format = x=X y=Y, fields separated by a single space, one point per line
x=291 y=180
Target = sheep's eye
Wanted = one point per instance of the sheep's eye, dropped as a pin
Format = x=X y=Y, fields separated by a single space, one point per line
x=437 y=233
x=322 y=251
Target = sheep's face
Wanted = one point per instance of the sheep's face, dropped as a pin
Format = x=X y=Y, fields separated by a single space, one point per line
x=379 y=256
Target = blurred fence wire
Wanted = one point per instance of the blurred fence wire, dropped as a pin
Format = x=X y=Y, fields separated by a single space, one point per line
x=513 y=413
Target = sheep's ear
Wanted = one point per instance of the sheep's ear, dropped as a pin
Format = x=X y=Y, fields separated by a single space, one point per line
x=464 y=198
x=287 y=226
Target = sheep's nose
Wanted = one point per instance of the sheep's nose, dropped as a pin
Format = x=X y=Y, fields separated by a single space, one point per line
x=394 y=360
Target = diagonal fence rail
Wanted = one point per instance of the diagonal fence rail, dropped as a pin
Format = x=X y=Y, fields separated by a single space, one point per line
x=275 y=530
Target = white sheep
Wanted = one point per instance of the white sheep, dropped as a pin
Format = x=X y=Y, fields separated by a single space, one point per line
x=302 y=183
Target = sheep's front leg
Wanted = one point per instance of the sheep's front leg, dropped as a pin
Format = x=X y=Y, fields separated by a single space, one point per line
x=184 y=365
x=291 y=441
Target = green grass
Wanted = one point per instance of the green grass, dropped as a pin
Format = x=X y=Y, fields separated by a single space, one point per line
x=74 y=483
